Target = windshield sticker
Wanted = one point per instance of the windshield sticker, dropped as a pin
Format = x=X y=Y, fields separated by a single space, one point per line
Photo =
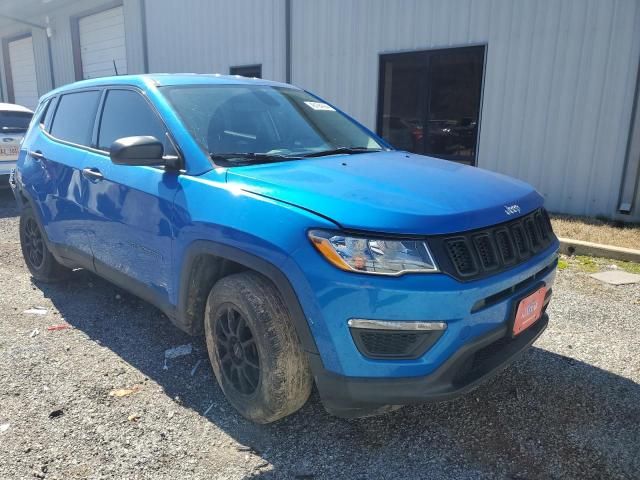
x=320 y=106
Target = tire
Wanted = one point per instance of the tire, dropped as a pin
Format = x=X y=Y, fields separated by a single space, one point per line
x=39 y=259
x=254 y=350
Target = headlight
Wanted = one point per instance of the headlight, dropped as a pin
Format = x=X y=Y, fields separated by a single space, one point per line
x=373 y=255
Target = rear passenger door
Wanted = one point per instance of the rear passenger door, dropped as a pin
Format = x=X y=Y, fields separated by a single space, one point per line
x=57 y=155
x=130 y=207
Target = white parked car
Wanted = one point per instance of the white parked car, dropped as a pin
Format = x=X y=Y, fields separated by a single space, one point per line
x=14 y=121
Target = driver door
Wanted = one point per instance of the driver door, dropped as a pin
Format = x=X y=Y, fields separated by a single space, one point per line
x=130 y=208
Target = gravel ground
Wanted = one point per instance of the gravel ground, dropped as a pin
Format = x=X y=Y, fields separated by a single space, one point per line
x=569 y=409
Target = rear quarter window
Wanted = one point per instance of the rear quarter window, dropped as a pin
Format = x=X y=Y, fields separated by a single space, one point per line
x=37 y=120
x=74 y=117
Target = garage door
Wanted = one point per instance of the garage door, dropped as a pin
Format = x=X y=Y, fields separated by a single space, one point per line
x=102 y=43
x=23 y=72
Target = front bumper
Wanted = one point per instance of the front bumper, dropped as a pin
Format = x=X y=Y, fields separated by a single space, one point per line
x=330 y=298
x=472 y=364
x=477 y=315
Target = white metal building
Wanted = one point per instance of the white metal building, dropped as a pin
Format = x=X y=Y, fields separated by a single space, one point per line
x=543 y=90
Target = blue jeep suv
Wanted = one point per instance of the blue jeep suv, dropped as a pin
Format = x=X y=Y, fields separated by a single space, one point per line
x=304 y=247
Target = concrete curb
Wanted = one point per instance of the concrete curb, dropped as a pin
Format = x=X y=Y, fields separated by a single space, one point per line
x=569 y=246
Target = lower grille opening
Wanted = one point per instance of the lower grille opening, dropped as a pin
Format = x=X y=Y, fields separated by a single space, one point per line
x=483 y=360
x=396 y=344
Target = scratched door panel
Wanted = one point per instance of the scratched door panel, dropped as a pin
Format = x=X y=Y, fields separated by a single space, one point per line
x=130 y=221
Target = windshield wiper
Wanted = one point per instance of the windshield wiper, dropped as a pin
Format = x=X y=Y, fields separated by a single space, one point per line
x=339 y=150
x=250 y=157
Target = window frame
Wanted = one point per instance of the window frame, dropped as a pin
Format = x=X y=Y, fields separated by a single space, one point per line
x=47 y=121
x=98 y=118
x=428 y=54
x=152 y=109
x=55 y=114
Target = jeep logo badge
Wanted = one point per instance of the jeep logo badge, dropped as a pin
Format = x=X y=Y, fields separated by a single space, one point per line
x=511 y=209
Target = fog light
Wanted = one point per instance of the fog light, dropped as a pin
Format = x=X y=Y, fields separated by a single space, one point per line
x=382 y=339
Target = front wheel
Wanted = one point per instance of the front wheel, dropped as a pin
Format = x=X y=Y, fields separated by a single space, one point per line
x=254 y=349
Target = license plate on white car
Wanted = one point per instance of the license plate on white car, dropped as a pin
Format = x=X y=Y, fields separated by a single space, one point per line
x=9 y=153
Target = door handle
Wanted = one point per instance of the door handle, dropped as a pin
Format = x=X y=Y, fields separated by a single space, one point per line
x=93 y=174
x=37 y=154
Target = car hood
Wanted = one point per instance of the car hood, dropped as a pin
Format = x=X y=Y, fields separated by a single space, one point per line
x=391 y=192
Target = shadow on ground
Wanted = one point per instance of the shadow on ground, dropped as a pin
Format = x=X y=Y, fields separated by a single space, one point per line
x=7 y=202
x=548 y=413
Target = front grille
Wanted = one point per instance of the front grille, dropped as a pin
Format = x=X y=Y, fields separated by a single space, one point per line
x=460 y=254
x=480 y=253
x=487 y=252
x=505 y=246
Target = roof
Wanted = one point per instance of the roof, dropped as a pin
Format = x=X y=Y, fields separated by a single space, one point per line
x=165 y=79
x=12 y=107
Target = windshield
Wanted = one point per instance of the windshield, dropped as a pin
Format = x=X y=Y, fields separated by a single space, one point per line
x=276 y=123
x=14 y=121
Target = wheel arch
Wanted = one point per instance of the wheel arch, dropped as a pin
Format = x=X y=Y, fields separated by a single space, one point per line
x=25 y=200
x=205 y=262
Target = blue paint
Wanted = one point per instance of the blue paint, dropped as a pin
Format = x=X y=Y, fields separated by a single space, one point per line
x=141 y=221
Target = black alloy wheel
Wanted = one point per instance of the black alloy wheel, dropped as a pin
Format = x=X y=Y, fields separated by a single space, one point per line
x=33 y=244
x=237 y=350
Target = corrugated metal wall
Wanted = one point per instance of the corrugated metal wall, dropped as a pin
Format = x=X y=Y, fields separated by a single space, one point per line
x=43 y=77
x=559 y=79
x=61 y=46
x=209 y=37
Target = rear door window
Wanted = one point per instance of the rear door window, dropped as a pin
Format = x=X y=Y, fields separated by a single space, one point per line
x=75 y=115
x=127 y=114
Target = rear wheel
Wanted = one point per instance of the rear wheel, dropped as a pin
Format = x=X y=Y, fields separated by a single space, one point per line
x=254 y=349
x=40 y=261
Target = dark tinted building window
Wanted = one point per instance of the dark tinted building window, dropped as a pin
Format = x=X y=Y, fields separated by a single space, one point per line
x=74 y=117
x=429 y=102
x=249 y=71
x=127 y=114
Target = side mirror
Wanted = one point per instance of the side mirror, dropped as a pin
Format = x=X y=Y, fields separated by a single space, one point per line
x=141 y=151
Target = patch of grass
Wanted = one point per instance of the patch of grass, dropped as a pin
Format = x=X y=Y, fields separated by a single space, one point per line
x=630 y=267
x=597 y=230
x=587 y=264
